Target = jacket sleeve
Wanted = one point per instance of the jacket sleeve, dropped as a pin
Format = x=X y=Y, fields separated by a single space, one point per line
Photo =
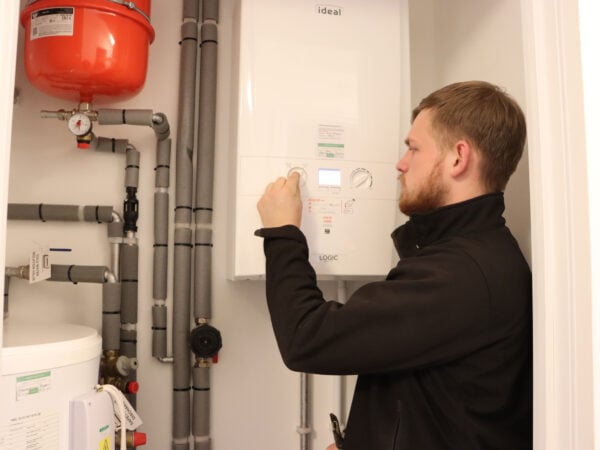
x=431 y=309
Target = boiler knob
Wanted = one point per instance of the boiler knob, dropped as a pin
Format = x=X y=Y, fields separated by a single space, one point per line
x=361 y=179
x=301 y=172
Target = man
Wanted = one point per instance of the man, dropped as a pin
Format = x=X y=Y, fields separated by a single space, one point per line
x=443 y=346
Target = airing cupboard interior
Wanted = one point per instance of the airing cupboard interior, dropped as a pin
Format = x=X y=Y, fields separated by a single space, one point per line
x=254 y=400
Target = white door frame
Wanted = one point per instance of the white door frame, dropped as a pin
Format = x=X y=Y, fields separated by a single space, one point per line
x=9 y=32
x=561 y=257
x=589 y=18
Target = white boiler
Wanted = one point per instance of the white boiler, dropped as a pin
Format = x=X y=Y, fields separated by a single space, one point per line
x=321 y=89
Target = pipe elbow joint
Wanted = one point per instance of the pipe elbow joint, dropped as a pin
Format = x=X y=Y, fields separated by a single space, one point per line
x=126 y=364
x=114 y=365
x=160 y=124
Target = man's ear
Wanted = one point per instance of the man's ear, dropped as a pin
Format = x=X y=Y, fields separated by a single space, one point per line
x=461 y=158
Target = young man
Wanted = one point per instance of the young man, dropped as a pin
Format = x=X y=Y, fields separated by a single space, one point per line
x=443 y=346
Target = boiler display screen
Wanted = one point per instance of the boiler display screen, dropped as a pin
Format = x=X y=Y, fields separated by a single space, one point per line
x=330 y=177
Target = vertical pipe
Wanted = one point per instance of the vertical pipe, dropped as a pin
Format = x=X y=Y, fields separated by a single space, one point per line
x=183 y=232
x=111 y=314
x=339 y=382
x=115 y=238
x=161 y=246
x=205 y=161
x=201 y=407
x=6 y=286
x=203 y=210
x=304 y=428
x=129 y=258
x=128 y=262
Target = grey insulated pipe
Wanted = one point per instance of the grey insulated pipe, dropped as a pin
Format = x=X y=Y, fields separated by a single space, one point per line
x=74 y=213
x=129 y=249
x=183 y=227
x=6 y=286
x=86 y=274
x=206 y=340
x=304 y=429
x=111 y=296
x=161 y=247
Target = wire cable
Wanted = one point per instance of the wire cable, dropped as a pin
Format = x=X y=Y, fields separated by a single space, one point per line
x=117 y=397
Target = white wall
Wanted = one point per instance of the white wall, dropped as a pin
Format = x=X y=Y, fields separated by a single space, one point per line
x=255 y=399
x=474 y=40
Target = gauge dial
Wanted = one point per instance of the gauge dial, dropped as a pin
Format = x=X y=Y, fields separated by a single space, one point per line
x=79 y=124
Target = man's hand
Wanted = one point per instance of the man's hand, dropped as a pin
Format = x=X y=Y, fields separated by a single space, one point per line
x=281 y=203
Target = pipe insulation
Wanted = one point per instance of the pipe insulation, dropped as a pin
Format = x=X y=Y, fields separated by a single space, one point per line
x=111 y=314
x=201 y=407
x=203 y=211
x=183 y=227
x=304 y=429
x=63 y=213
x=75 y=213
x=161 y=247
x=129 y=252
x=109 y=145
x=129 y=257
x=339 y=381
x=205 y=168
x=141 y=117
x=115 y=238
x=6 y=287
x=78 y=274
x=132 y=167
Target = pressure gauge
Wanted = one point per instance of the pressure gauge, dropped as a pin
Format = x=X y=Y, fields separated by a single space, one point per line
x=79 y=124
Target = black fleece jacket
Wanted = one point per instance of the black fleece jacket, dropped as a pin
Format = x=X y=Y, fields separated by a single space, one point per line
x=442 y=347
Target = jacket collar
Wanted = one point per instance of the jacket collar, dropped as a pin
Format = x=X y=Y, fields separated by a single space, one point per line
x=459 y=219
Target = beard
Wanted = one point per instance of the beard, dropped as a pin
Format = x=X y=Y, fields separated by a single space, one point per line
x=426 y=197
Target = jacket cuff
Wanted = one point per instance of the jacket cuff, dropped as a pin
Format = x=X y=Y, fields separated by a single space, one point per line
x=284 y=232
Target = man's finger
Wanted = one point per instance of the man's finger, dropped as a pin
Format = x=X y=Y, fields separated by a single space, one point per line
x=279 y=182
x=269 y=187
x=294 y=180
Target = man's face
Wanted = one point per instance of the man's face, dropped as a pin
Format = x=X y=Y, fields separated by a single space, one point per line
x=422 y=181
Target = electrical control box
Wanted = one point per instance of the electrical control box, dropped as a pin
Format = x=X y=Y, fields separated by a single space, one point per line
x=322 y=90
x=92 y=424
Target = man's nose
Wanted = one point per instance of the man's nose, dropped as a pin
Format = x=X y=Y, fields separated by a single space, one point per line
x=402 y=164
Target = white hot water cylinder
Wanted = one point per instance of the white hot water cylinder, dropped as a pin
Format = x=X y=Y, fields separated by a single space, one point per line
x=43 y=367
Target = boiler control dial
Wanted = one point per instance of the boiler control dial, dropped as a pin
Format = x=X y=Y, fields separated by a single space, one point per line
x=301 y=172
x=361 y=178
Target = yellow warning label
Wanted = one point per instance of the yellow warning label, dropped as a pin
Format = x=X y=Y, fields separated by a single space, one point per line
x=104 y=444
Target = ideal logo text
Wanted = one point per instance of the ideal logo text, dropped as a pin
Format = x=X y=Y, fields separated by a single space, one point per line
x=328 y=10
